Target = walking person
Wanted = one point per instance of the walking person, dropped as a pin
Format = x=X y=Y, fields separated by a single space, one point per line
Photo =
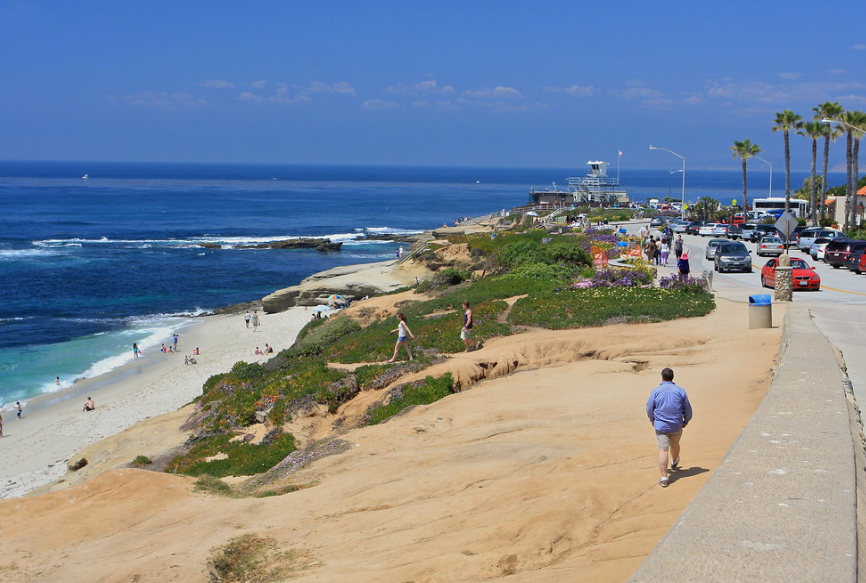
x=255 y=321
x=669 y=411
x=403 y=334
x=678 y=246
x=665 y=251
x=650 y=250
x=174 y=341
x=19 y=408
x=247 y=319
x=466 y=331
x=683 y=264
x=136 y=351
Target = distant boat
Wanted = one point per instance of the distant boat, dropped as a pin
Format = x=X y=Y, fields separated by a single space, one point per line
x=85 y=177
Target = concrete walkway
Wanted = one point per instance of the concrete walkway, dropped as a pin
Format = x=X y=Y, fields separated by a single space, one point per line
x=782 y=506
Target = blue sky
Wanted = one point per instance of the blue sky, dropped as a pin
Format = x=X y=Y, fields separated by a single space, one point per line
x=543 y=84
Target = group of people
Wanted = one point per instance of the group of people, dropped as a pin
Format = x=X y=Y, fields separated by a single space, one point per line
x=403 y=333
x=268 y=350
x=658 y=251
x=252 y=321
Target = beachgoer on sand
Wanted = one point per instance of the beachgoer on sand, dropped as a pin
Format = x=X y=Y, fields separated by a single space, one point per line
x=197 y=353
x=89 y=405
x=255 y=321
x=19 y=408
x=136 y=351
x=258 y=351
x=57 y=381
x=466 y=331
x=669 y=411
x=403 y=334
x=174 y=342
x=247 y=319
x=1 y=425
x=269 y=349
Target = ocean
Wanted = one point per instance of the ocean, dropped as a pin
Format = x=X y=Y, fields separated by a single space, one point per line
x=90 y=266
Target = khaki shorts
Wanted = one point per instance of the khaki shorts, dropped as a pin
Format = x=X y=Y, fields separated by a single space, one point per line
x=666 y=440
x=464 y=334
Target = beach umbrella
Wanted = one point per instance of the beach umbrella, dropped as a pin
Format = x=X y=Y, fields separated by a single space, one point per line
x=322 y=308
x=336 y=298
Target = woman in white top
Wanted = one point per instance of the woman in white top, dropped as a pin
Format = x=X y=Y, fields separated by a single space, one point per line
x=403 y=334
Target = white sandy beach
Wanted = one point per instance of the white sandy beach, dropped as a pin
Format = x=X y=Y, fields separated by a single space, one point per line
x=37 y=447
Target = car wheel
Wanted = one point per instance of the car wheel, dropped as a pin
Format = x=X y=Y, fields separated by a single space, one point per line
x=763 y=283
x=836 y=266
x=857 y=271
x=715 y=266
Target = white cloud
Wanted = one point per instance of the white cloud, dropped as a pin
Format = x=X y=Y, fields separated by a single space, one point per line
x=790 y=76
x=574 y=90
x=495 y=93
x=859 y=47
x=261 y=84
x=423 y=88
x=164 y=100
x=379 y=104
x=250 y=96
x=342 y=88
x=217 y=84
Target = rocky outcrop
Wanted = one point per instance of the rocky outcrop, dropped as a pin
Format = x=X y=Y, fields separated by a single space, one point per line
x=323 y=245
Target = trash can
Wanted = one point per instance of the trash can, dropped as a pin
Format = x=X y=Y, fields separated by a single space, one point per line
x=760 y=311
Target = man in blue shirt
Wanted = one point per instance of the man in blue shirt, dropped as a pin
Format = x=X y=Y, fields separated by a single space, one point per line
x=669 y=410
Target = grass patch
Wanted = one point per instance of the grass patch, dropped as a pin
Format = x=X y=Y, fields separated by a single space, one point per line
x=249 y=559
x=428 y=391
x=576 y=308
x=214 y=486
x=236 y=458
x=140 y=461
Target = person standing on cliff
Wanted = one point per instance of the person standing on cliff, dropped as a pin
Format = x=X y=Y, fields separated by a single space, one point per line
x=466 y=331
x=669 y=411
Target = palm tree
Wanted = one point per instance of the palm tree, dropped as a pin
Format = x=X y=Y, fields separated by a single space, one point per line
x=814 y=130
x=827 y=110
x=856 y=127
x=745 y=150
x=785 y=122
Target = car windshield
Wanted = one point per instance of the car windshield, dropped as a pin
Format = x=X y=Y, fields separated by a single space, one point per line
x=733 y=249
x=771 y=240
x=799 y=264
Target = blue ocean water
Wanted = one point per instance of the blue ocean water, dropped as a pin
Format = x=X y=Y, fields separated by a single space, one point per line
x=87 y=267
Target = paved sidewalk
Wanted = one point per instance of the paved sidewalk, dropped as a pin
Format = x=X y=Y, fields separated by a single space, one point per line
x=782 y=504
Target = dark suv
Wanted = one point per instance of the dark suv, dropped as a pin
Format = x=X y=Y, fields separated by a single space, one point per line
x=761 y=231
x=838 y=251
x=693 y=227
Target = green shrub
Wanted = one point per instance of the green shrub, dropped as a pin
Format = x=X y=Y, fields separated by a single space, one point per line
x=211 y=485
x=424 y=393
x=328 y=332
x=241 y=459
x=140 y=461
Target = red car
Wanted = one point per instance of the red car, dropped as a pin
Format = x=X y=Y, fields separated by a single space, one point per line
x=804 y=276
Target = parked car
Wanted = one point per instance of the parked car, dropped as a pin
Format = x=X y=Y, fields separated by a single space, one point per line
x=862 y=267
x=693 y=227
x=807 y=237
x=816 y=250
x=770 y=246
x=707 y=229
x=761 y=231
x=720 y=230
x=852 y=260
x=657 y=222
x=747 y=231
x=735 y=232
x=838 y=249
x=804 y=276
x=710 y=251
x=730 y=256
x=678 y=225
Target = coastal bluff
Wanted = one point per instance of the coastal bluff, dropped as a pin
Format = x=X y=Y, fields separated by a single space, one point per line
x=350 y=281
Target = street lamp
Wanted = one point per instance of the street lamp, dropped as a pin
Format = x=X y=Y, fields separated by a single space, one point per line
x=672 y=172
x=683 y=207
x=771 y=174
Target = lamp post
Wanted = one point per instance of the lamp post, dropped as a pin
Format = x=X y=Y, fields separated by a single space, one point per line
x=683 y=207
x=672 y=172
x=771 y=174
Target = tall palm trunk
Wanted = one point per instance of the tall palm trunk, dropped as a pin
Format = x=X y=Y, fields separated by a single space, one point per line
x=812 y=201
x=745 y=196
x=787 y=172
x=849 y=198
x=824 y=177
x=855 y=180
